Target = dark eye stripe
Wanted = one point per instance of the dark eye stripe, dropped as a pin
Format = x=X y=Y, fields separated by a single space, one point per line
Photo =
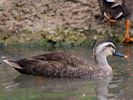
x=110 y=46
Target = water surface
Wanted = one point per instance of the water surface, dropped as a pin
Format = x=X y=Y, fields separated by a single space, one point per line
x=15 y=86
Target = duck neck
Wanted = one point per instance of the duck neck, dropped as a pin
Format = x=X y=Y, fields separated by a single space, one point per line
x=101 y=61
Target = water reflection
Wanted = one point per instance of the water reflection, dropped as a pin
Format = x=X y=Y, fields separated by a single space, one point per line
x=99 y=88
x=102 y=88
x=49 y=84
x=129 y=52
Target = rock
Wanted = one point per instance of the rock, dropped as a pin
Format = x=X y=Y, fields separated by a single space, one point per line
x=47 y=15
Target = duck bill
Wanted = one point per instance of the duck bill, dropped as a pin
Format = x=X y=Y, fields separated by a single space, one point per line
x=119 y=54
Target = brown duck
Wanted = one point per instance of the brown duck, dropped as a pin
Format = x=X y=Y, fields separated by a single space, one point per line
x=60 y=64
x=114 y=10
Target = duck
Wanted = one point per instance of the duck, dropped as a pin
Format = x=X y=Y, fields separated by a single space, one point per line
x=65 y=65
x=115 y=10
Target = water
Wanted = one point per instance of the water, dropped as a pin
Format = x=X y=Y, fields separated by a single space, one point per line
x=15 y=86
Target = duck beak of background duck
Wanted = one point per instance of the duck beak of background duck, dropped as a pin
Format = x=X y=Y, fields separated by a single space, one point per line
x=119 y=55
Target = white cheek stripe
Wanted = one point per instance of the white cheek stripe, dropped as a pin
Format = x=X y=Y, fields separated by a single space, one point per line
x=110 y=0
x=105 y=15
x=119 y=15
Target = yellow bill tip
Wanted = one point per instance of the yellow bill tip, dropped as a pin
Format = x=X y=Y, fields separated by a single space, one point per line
x=125 y=56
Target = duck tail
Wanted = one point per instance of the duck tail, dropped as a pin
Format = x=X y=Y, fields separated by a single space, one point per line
x=12 y=63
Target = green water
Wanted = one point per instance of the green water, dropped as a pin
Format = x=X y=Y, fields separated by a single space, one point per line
x=15 y=86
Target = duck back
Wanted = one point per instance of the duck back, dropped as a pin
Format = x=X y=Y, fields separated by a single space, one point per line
x=54 y=64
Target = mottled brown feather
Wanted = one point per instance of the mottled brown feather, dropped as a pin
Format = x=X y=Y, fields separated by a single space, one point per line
x=57 y=64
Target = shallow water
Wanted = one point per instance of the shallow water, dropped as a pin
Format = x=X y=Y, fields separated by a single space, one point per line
x=15 y=86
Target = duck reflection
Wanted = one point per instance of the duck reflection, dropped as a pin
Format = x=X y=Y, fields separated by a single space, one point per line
x=50 y=84
x=102 y=88
x=96 y=88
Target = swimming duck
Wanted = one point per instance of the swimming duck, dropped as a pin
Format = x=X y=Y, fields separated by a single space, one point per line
x=60 y=64
x=114 y=10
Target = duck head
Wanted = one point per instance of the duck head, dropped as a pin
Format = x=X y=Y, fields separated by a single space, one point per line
x=113 y=10
x=102 y=50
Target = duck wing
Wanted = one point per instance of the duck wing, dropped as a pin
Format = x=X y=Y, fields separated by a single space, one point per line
x=61 y=57
x=54 y=64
